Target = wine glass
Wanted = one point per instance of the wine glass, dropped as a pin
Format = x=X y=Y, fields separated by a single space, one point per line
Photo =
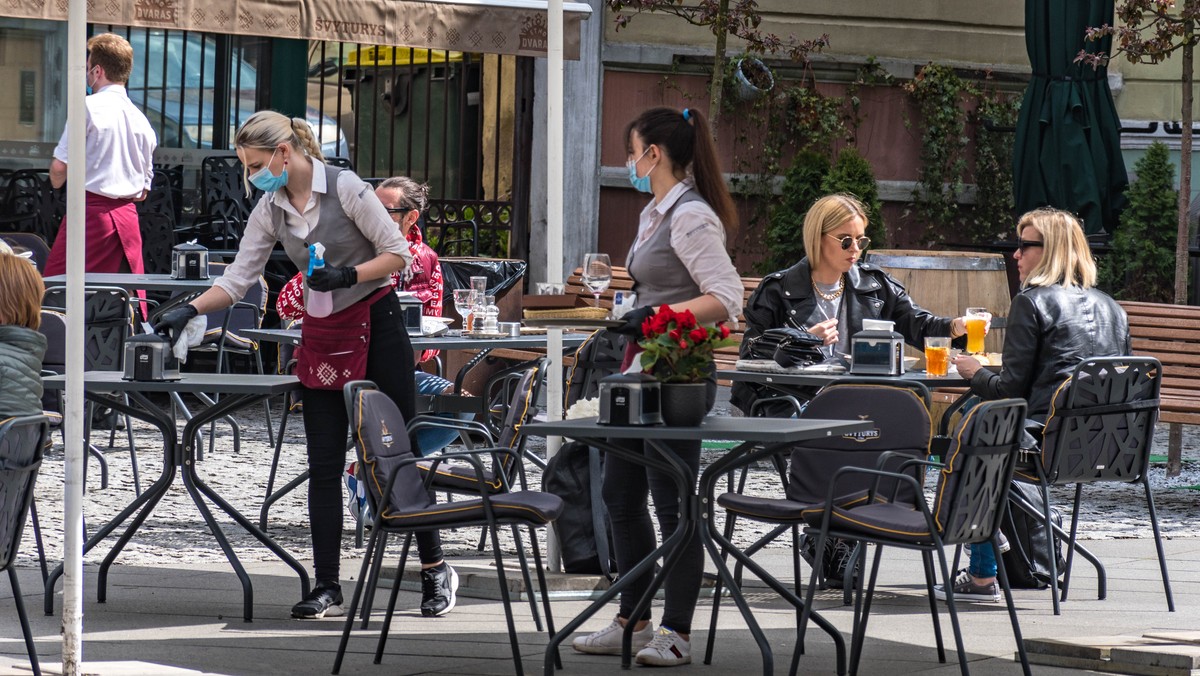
x=597 y=273
x=464 y=301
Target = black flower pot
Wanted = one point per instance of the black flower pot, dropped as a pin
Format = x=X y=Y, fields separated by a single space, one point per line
x=683 y=404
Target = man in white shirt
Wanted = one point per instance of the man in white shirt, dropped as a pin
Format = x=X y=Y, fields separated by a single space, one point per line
x=120 y=164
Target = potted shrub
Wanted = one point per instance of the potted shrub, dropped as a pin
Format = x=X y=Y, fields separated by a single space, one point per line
x=751 y=78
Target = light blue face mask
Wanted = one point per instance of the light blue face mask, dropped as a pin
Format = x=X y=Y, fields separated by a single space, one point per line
x=640 y=183
x=89 y=83
x=264 y=180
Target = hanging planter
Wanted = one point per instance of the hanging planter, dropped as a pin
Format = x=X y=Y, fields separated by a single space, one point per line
x=752 y=79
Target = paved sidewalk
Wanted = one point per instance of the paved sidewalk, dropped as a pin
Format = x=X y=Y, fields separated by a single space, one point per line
x=186 y=619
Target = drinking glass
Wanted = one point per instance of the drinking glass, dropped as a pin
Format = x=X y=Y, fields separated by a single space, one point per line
x=977 y=319
x=463 y=302
x=597 y=274
x=937 y=356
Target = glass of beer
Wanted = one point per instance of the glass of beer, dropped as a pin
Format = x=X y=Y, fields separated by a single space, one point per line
x=977 y=319
x=937 y=356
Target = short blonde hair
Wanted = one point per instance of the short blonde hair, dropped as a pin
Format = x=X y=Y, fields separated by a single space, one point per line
x=826 y=215
x=1066 y=258
x=114 y=54
x=21 y=302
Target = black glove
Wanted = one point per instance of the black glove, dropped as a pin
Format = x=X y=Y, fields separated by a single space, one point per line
x=328 y=279
x=633 y=321
x=172 y=322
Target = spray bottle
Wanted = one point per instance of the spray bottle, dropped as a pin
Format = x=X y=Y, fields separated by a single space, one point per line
x=317 y=303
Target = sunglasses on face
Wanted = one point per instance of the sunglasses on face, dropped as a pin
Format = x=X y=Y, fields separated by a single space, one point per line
x=846 y=240
x=1024 y=244
x=399 y=210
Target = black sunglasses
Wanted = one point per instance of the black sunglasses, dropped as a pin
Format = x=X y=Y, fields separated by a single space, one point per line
x=399 y=210
x=1024 y=244
x=846 y=240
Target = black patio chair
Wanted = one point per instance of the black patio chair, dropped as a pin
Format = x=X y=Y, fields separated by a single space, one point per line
x=902 y=428
x=108 y=321
x=969 y=501
x=30 y=242
x=22 y=443
x=1100 y=429
x=404 y=503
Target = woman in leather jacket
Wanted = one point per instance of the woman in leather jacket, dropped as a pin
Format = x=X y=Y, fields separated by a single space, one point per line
x=831 y=291
x=1057 y=320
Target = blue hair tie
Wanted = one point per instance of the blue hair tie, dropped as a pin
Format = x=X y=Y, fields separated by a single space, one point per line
x=686 y=115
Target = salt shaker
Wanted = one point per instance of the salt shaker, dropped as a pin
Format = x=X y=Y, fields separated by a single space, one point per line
x=491 y=315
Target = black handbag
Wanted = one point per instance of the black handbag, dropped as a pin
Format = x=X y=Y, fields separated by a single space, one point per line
x=788 y=346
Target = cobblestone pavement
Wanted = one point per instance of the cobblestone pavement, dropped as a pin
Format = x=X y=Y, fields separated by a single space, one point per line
x=175 y=529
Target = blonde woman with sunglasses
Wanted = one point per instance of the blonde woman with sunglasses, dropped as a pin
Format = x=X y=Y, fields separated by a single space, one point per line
x=830 y=292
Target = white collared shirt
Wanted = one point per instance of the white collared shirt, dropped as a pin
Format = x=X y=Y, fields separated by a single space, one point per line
x=119 y=148
x=698 y=239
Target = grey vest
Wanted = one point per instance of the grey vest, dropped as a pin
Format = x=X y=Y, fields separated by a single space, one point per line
x=344 y=242
x=659 y=277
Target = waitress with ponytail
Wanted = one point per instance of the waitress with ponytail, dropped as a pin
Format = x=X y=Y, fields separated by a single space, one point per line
x=308 y=201
x=680 y=259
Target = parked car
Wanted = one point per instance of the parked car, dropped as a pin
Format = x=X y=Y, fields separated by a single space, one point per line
x=173 y=80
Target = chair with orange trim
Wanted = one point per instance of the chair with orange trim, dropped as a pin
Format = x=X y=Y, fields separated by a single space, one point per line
x=969 y=500
x=902 y=426
x=403 y=502
x=1100 y=429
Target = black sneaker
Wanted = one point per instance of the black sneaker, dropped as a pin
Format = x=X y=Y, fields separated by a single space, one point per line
x=325 y=600
x=438 y=585
x=837 y=559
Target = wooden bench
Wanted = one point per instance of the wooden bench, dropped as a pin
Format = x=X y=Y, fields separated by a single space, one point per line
x=1171 y=334
x=621 y=281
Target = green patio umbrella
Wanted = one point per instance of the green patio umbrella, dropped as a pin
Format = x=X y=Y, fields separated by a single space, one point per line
x=1068 y=150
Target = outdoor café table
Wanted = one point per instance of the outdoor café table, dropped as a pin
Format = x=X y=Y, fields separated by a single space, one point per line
x=238 y=391
x=764 y=434
x=793 y=380
x=131 y=282
x=447 y=341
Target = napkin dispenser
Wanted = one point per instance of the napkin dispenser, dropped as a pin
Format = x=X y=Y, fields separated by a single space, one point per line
x=189 y=261
x=630 y=399
x=148 y=358
x=877 y=352
x=411 y=310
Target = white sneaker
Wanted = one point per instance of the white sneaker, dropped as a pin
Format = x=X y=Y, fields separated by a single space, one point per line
x=666 y=650
x=607 y=641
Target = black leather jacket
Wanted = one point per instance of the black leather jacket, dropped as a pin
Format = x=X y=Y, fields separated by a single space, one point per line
x=1050 y=330
x=785 y=298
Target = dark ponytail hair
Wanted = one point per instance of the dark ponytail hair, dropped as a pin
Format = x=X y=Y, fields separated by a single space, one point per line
x=685 y=138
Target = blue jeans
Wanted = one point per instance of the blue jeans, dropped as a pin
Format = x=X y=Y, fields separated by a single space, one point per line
x=983 y=560
x=433 y=439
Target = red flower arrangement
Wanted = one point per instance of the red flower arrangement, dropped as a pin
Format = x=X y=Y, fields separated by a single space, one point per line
x=677 y=349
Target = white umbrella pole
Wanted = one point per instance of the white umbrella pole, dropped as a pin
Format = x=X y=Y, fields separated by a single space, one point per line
x=72 y=613
x=554 y=226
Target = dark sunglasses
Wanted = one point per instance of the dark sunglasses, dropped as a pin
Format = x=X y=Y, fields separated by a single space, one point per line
x=399 y=210
x=1024 y=244
x=846 y=240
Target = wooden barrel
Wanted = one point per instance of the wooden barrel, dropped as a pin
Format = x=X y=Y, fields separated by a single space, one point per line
x=948 y=282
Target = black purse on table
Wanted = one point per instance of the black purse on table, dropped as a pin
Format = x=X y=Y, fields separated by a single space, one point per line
x=787 y=346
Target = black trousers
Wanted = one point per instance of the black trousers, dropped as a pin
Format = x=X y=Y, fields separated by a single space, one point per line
x=327 y=429
x=627 y=485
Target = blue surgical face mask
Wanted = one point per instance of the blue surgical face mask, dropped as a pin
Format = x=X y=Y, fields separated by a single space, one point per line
x=264 y=180
x=87 y=78
x=640 y=183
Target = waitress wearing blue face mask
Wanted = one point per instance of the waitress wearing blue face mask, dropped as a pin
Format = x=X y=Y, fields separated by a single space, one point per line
x=308 y=201
x=679 y=258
